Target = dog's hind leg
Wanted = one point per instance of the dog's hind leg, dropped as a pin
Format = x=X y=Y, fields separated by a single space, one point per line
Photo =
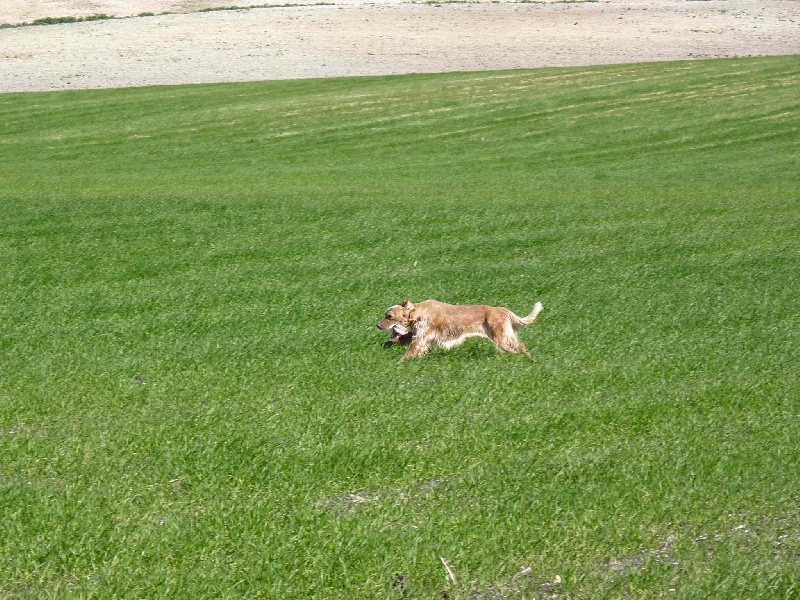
x=506 y=340
x=522 y=348
x=525 y=351
x=512 y=347
x=515 y=348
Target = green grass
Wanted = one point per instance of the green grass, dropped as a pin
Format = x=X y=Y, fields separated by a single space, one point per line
x=193 y=396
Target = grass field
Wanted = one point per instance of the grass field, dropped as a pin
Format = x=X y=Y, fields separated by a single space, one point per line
x=194 y=401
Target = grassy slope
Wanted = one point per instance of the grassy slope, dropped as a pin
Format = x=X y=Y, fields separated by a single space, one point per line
x=193 y=399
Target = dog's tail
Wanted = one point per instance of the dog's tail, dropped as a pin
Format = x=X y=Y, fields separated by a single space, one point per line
x=517 y=321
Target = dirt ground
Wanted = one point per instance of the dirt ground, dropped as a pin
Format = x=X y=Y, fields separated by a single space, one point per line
x=368 y=37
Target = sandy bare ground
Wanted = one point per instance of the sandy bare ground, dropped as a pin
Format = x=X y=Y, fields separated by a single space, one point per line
x=362 y=37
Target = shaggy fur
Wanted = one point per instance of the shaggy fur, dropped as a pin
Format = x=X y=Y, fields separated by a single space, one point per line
x=432 y=323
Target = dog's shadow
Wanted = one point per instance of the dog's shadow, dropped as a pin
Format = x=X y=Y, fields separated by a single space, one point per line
x=472 y=351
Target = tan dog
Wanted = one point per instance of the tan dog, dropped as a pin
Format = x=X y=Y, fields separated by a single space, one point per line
x=434 y=323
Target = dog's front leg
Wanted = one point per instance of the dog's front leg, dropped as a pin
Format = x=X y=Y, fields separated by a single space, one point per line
x=417 y=349
x=403 y=340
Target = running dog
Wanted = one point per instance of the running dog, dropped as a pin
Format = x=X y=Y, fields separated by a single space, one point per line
x=432 y=323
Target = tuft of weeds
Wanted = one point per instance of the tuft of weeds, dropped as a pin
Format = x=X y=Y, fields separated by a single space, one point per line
x=103 y=17
x=60 y=20
x=286 y=5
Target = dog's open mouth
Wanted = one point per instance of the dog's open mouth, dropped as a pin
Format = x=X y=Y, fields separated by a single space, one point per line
x=398 y=329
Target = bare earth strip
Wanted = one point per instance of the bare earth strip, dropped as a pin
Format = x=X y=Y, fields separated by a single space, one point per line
x=357 y=37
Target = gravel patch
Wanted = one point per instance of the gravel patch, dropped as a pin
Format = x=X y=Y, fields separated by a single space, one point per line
x=357 y=38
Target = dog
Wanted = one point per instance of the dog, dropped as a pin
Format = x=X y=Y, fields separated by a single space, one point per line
x=432 y=323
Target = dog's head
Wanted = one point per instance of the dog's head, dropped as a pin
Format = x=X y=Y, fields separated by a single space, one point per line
x=399 y=314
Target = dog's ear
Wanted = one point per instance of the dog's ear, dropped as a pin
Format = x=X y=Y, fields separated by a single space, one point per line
x=408 y=305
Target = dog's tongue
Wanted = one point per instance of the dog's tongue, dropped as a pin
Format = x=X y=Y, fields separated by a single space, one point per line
x=399 y=329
